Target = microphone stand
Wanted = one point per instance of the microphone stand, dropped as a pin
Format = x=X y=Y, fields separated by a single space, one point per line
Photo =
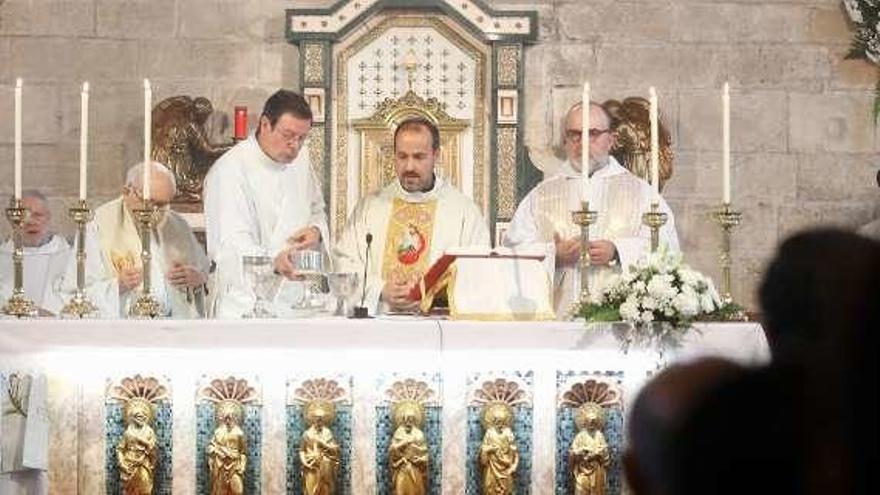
x=361 y=312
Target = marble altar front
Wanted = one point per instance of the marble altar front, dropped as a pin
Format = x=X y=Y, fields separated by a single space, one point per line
x=366 y=360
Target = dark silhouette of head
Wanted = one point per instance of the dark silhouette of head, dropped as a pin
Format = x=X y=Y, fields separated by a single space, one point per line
x=659 y=410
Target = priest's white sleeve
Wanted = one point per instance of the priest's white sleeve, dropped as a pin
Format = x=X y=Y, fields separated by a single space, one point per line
x=475 y=231
x=231 y=231
x=523 y=228
x=349 y=255
x=318 y=214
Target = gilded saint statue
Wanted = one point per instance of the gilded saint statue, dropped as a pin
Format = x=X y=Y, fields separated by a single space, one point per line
x=227 y=452
x=589 y=456
x=499 y=457
x=318 y=451
x=136 y=453
x=408 y=453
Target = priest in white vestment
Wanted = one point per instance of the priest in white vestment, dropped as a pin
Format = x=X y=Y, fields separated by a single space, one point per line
x=411 y=222
x=114 y=270
x=262 y=198
x=619 y=237
x=45 y=256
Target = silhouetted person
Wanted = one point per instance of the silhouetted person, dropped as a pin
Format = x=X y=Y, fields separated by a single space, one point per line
x=661 y=407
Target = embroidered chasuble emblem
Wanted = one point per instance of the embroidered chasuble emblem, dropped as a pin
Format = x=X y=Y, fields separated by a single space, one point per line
x=409 y=240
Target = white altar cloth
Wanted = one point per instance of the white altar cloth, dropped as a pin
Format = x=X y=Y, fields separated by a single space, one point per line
x=79 y=357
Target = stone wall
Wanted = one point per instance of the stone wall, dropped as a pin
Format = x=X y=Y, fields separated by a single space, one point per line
x=805 y=150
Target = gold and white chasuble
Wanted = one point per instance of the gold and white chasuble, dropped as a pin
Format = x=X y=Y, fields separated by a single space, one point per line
x=113 y=242
x=409 y=231
x=619 y=198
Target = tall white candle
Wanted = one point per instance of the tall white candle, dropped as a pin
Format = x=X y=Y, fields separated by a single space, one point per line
x=83 y=140
x=655 y=145
x=18 y=138
x=725 y=152
x=585 y=144
x=148 y=104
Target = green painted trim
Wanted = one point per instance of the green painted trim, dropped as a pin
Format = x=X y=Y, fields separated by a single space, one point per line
x=422 y=5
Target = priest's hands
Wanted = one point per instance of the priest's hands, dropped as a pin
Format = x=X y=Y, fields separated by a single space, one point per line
x=128 y=279
x=602 y=251
x=283 y=264
x=567 y=250
x=396 y=296
x=305 y=238
x=185 y=276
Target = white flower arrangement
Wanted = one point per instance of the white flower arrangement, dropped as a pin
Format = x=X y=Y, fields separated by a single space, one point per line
x=659 y=296
x=865 y=17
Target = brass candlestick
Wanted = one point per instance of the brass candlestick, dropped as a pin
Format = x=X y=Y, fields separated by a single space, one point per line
x=583 y=218
x=146 y=305
x=654 y=219
x=727 y=218
x=79 y=305
x=18 y=304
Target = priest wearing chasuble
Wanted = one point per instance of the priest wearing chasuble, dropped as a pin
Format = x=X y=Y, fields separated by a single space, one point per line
x=113 y=266
x=262 y=198
x=411 y=222
x=619 y=237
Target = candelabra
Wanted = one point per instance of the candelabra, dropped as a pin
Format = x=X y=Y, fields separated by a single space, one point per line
x=583 y=218
x=654 y=219
x=727 y=218
x=79 y=305
x=146 y=305
x=18 y=304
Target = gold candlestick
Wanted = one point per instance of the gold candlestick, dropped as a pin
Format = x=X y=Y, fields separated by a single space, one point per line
x=727 y=218
x=583 y=218
x=654 y=219
x=79 y=305
x=18 y=304
x=146 y=305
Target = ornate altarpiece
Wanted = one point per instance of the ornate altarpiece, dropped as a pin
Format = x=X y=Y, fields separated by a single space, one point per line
x=368 y=64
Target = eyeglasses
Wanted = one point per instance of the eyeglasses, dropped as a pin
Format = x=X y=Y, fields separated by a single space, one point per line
x=576 y=135
x=159 y=205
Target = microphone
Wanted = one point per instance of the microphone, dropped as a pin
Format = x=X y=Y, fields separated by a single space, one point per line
x=361 y=311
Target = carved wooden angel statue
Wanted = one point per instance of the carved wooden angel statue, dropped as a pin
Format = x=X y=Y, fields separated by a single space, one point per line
x=632 y=149
x=589 y=456
x=180 y=142
x=137 y=451
x=227 y=452
x=499 y=457
x=408 y=453
x=319 y=452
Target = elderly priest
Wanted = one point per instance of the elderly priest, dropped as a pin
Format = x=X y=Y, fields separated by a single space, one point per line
x=262 y=198
x=114 y=275
x=411 y=222
x=45 y=256
x=619 y=198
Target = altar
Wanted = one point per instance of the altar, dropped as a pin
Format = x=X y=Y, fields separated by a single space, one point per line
x=454 y=364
